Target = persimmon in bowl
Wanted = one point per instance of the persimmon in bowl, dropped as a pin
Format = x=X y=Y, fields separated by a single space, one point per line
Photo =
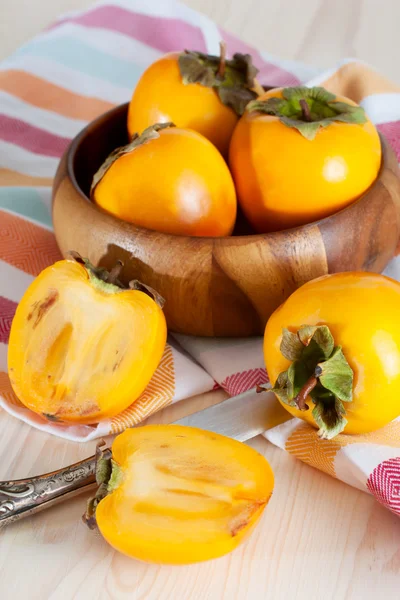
x=220 y=286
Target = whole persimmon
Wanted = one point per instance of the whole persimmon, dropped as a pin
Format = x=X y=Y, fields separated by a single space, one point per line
x=332 y=352
x=170 y=180
x=195 y=91
x=300 y=154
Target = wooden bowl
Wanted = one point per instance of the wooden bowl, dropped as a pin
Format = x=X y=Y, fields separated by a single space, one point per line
x=220 y=286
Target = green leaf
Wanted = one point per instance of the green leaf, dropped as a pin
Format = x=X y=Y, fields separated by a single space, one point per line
x=297 y=375
x=307 y=130
x=329 y=418
x=272 y=106
x=236 y=97
x=291 y=347
x=103 y=474
x=347 y=113
x=243 y=64
x=320 y=371
x=336 y=375
x=281 y=389
x=320 y=334
x=323 y=110
x=115 y=478
x=318 y=344
x=103 y=470
x=194 y=68
x=305 y=333
x=313 y=93
x=234 y=88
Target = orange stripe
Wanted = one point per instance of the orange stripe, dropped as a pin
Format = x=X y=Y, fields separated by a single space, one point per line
x=42 y=93
x=305 y=444
x=9 y=178
x=159 y=393
x=25 y=245
x=389 y=435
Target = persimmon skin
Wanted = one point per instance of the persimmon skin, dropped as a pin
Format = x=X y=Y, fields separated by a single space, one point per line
x=78 y=354
x=361 y=311
x=178 y=184
x=185 y=495
x=161 y=96
x=284 y=180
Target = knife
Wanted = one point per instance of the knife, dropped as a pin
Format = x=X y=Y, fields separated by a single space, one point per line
x=241 y=417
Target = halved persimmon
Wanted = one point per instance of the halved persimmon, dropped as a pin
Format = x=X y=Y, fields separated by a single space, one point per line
x=82 y=349
x=177 y=495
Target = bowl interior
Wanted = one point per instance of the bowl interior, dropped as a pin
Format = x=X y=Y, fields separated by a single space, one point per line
x=92 y=146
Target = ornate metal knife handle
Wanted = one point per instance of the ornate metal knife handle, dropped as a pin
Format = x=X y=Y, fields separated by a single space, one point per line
x=23 y=497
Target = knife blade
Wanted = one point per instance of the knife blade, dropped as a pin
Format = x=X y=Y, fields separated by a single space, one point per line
x=241 y=417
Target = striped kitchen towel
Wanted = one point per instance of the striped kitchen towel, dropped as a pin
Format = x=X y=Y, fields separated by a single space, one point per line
x=83 y=65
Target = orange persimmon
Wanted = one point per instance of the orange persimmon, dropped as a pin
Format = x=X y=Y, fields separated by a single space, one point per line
x=81 y=348
x=172 y=494
x=171 y=180
x=300 y=154
x=194 y=91
x=332 y=352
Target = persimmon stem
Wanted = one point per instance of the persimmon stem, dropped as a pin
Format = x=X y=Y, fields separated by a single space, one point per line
x=115 y=272
x=76 y=256
x=260 y=389
x=305 y=390
x=222 y=60
x=305 y=110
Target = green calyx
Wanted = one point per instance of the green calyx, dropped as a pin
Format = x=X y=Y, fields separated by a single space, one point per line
x=103 y=280
x=149 y=134
x=109 y=282
x=309 y=110
x=320 y=372
x=233 y=79
x=108 y=477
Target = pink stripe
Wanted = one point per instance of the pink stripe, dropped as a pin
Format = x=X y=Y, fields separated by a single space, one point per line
x=241 y=382
x=384 y=484
x=166 y=35
x=31 y=138
x=269 y=74
x=7 y=311
x=392 y=133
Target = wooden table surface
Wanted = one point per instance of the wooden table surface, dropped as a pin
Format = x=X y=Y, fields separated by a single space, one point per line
x=318 y=537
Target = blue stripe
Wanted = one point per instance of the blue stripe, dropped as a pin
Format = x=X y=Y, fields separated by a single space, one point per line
x=25 y=201
x=77 y=55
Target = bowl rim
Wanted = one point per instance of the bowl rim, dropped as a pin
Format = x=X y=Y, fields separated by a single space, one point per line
x=77 y=140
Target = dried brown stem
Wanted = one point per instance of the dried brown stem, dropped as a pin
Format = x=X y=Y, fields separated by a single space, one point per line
x=305 y=110
x=222 y=60
x=115 y=272
x=260 y=388
x=76 y=256
x=305 y=390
